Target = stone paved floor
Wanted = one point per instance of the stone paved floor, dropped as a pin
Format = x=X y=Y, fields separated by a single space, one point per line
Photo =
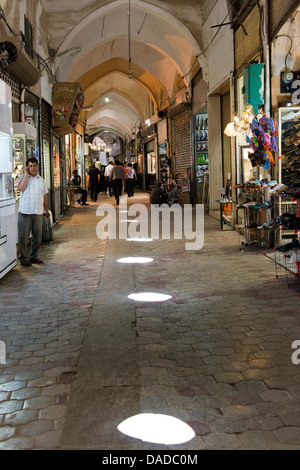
x=82 y=357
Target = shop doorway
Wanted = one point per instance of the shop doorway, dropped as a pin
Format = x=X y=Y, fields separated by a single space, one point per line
x=150 y=164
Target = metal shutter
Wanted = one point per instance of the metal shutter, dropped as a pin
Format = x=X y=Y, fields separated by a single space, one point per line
x=14 y=84
x=247 y=47
x=182 y=141
x=200 y=91
x=46 y=116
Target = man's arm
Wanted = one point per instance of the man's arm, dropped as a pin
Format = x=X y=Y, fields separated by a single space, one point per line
x=24 y=181
x=47 y=213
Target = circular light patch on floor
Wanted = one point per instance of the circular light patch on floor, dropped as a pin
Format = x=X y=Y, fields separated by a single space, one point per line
x=149 y=297
x=139 y=239
x=128 y=220
x=157 y=429
x=137 y=260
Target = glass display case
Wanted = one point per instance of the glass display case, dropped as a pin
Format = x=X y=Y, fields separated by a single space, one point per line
x=201 y=152
x=287 y=163
x=24 y=146
x=288 y=171
x=151 y=169
x=6 y=183
x=164 y=167
x=8 y=252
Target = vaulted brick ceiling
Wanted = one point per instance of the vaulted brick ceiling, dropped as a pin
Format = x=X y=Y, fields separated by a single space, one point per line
x=157 y=43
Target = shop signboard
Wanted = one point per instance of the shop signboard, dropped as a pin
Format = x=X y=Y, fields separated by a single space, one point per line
x=67 y=101
x=186 y=185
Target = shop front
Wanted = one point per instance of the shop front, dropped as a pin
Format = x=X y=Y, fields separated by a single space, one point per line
x=8 y=252
x=200 y=166
x=139 y=166
x=182 y=148
x=25 y=135
x=150 y=164
x=46 y=153
x=164 y=164
x=24 y=146
x=149 y=167
x=201 y=153
x=58 y=173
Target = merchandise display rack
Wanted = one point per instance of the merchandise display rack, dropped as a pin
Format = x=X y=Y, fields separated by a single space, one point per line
x=287 y=267
x=256 y=212
x=286 y=253
x=201 y=152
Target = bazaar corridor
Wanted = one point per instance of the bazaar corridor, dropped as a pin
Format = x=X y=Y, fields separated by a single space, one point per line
x=81 y=357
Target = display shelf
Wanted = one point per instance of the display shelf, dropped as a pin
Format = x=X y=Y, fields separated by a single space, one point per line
x=8 y=252
x=255 y=213
x=24 y=146
x=201 y=150
x=288 y=162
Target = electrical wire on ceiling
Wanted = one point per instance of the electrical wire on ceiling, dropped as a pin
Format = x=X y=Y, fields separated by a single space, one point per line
x=139 y=31
x=291 y=46
x=129 y=40
x=103 y=24
x=207 y=47
x=2 y=16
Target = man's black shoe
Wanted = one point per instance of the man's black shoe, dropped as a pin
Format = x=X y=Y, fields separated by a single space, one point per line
x=25 y=262
x=36 y=260
x=85 y=204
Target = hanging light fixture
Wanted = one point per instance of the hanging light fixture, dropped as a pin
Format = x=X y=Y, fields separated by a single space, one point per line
x=106 y=99
x=129 y=41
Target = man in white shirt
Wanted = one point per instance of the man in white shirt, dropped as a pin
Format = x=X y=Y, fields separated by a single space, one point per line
x=33 y=201
x=131 y=176
x=107 y=173
x=117 y=177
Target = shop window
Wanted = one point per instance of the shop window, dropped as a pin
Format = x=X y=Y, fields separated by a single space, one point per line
x=141 y=163
x=6 y=184
x=68 y=156
x=151 y=160
x=47 y=171
x=201 y=152
x=24 y=146
x=56 y=164
x=31 y=115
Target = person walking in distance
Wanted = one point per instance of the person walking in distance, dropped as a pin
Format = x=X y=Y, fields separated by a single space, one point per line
x=117 y=177
x=131 y=177
x=33 y=203
x=107 y=173
x=94 y=176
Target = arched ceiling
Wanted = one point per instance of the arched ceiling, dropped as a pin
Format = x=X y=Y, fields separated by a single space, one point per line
x=132 y=50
